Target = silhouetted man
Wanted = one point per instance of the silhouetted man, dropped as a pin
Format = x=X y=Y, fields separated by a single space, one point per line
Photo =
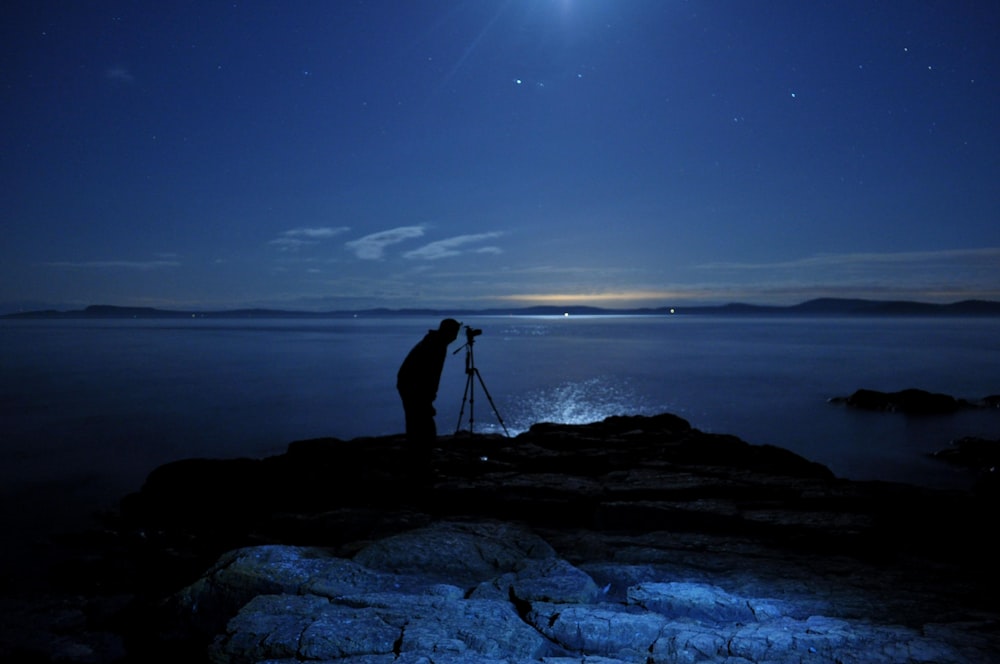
x=419 y=377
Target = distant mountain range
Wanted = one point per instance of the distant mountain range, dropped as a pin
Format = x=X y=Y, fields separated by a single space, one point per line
x=818 y=307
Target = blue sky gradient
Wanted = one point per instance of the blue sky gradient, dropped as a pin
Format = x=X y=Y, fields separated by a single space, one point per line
x=339 y=155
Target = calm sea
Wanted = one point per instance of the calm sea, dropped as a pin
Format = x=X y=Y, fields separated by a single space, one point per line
x=90 y=407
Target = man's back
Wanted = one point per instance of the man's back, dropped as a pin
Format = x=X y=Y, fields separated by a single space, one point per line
x=421 y=370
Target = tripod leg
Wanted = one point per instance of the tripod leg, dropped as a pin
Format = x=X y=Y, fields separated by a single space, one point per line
x=490 y=399
x=466 y=396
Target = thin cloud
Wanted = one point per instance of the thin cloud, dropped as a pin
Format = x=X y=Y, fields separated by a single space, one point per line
x=320 y=233
x=452 y=247
x=289 y=243
x=297 y=238
x=372 y=247
x=119 y=74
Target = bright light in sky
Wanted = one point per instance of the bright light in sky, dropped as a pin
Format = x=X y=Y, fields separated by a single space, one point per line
x=565 y=5
x=346 y=155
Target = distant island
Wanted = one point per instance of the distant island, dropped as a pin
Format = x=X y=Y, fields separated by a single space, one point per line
x=817 y=307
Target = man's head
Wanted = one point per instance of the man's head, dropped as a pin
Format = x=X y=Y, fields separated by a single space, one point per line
x=449 y=327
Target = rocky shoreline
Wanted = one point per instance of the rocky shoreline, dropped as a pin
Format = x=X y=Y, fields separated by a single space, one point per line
x=635 y=539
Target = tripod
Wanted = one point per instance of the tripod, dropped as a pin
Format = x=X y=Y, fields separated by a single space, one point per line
x=472 y=373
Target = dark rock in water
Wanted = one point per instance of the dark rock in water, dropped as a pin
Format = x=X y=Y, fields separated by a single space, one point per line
x=971 y=452
x=981 y=456
x=992 y=401
x=910 y=401
x=635 y=539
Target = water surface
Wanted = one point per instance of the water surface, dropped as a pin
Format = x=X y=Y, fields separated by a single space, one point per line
x=98 y=404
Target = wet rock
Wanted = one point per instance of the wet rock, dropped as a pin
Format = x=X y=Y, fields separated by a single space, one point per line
x=462 y=554
x=547 y=580
x=690 y=601
x=313 y=628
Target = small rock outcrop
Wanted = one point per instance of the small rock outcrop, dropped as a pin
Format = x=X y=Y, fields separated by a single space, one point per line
x=981 y=454
x=910 y=401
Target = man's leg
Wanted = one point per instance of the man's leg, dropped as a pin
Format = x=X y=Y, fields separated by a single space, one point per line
x=425 y=429
x=420 y=426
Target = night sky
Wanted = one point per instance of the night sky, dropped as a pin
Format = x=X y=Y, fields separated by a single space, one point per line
x=342 y=154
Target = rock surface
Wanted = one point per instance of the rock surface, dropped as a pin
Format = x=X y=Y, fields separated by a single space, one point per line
x=635 y=539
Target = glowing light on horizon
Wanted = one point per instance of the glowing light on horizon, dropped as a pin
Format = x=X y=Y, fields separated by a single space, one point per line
x=603 y=298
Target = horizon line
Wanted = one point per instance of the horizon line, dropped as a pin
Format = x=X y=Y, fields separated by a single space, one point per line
x=833 y=302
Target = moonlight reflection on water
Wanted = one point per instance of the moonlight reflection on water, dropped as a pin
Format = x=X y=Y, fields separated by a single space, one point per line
x=576 y=402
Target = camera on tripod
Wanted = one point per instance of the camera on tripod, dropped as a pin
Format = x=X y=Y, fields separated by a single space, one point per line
x=472 y=375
